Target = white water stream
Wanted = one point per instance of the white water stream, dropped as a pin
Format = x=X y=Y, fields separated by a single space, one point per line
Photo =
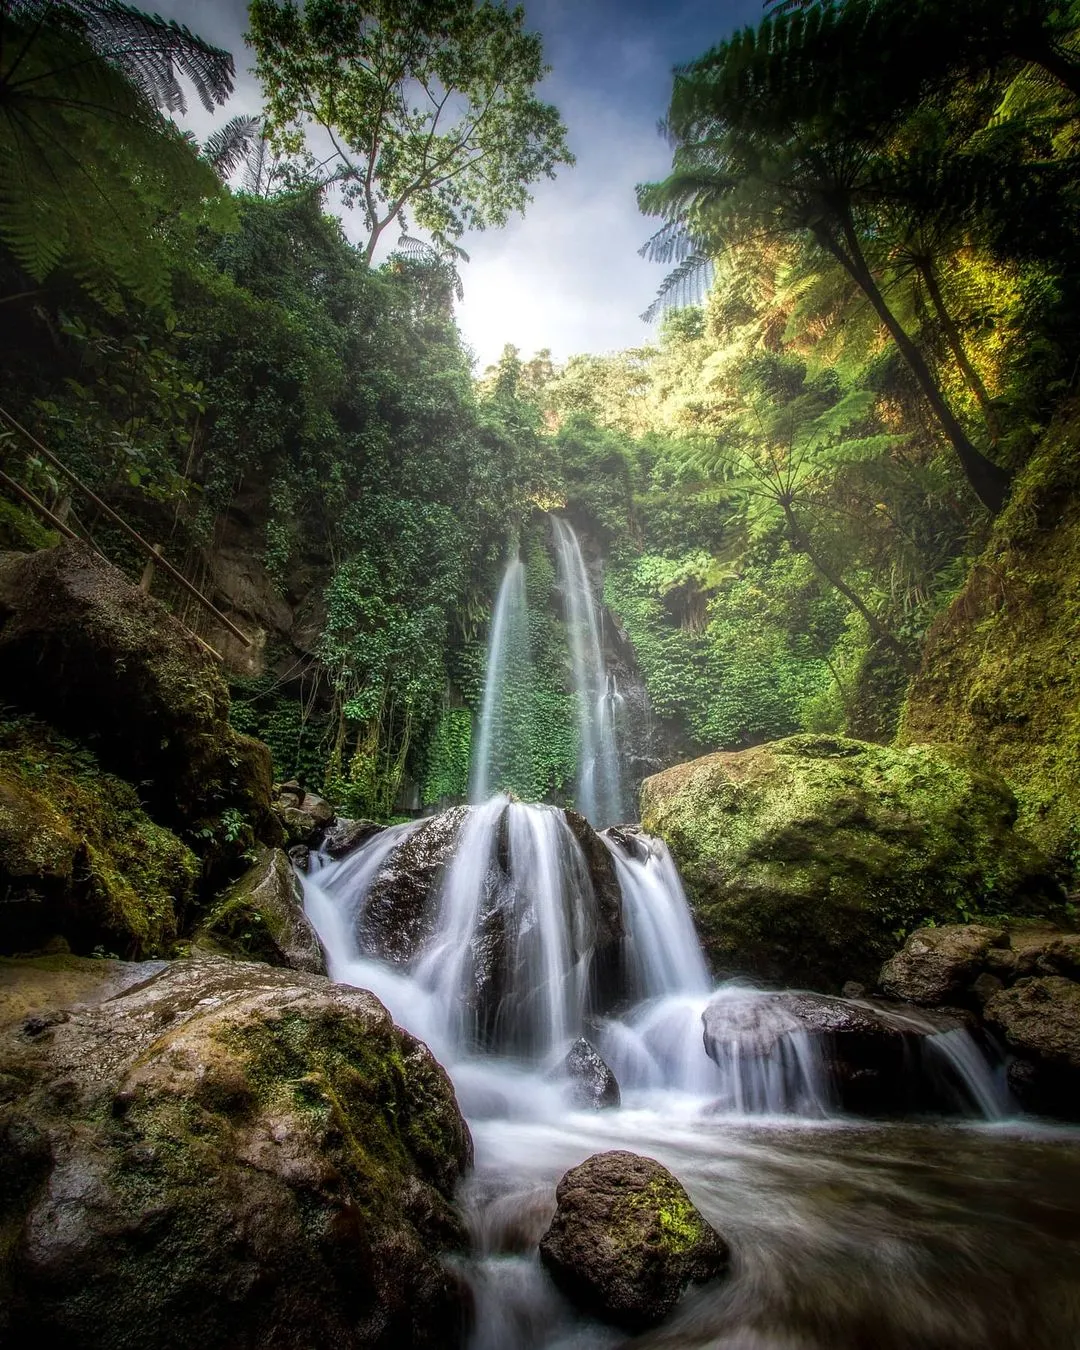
x=519 y=961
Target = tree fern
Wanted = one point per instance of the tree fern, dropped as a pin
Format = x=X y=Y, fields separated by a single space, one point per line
x=93 y=178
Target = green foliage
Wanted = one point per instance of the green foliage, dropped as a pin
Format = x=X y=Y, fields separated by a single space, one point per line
x=89 y=169
x=447 y=772
x=429 y=106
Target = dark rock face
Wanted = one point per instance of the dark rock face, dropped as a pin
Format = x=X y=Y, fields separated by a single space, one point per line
x=345 y=835
x=401 y=907
x=626 y=1240
x=873 y=1055
x=110 y=666
x=592 y=1084
x=940 y=965
x=802 y=857
x=261 y=917
x=226 y=1156
x=1021 y=979
x=1039 y=1020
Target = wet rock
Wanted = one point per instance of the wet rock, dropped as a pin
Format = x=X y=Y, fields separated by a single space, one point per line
x=853 y=989
x=304 y=816
x=940 y=965
x=602 y=874
x=240 y=1156
x=626 y=1240
x=592 y=1084
x=869 y=1056
x=261 y=917
x=802 y=857
x=629 y=838
x=1039 y=1020
x=1061 y=956
x=401 y=907
x=300 y=857
x=345 y=835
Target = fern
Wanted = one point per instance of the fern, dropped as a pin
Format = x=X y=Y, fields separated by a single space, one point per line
x=93 y=178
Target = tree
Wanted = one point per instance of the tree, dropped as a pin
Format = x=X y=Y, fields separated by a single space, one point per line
x=427 y=105
x=760 y=154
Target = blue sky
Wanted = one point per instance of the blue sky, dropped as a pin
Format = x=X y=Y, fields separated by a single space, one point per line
x=567 y=276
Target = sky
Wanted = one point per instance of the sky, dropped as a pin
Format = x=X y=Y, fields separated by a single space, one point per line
x=567 y=275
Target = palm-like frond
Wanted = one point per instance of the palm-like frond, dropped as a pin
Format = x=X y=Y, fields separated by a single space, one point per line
x=232 y=145
x=154 y=53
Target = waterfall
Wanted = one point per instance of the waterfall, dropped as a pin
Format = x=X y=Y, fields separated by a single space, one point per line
x=599 y=791
x=507 y=668
x=531 y=934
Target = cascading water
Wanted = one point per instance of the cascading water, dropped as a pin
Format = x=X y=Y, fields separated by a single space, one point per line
x=599 y=787
x=507 y=668
x=531 y=933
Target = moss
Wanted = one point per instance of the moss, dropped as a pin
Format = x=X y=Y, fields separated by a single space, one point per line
x=681 y=1227
x=21 y=530
x=78 y=839
x=999 y=673
x=808 y=859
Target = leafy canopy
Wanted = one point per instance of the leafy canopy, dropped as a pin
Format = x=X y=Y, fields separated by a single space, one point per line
x=428 y=106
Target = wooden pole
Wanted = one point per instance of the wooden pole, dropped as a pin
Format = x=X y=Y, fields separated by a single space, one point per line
x=131 y=533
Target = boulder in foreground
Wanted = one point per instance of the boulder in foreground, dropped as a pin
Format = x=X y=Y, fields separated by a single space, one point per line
x=226 y=1156
x=626 y=1240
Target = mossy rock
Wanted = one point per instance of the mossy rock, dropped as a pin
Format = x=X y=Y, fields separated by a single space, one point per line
x=807 y=860
x=227 y=1156
x=626 y=1240
x=91 y=654
x=1000 y=673
x=79 y=857
x=261 y=917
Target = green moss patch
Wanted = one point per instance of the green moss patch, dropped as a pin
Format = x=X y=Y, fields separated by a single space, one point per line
x=79 y=857
x=808 y=859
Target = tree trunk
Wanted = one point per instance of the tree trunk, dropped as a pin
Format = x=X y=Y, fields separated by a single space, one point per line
x=952 y=334
x=801 y=542
x=988 y=480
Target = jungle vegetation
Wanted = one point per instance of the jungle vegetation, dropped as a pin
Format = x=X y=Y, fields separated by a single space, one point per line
x=868 y=322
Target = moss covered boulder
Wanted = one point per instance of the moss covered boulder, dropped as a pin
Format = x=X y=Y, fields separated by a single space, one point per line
x=79 y=857
x=261 y=916
x=626 y=1240
x=226 y=1156
x=806 y=859
x=92 y=655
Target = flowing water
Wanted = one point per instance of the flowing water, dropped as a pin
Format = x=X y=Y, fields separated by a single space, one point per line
x=507 y=669
x=599 y=788
x=958 y=1234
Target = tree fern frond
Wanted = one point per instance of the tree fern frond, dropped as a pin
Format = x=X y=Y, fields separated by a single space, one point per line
x=153 y=52
x=686 y=285
x=232 y=145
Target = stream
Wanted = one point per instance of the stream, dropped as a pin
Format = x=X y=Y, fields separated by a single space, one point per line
x=931 y=1234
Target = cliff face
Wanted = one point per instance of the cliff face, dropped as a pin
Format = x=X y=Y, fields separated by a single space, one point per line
x=1001 y=667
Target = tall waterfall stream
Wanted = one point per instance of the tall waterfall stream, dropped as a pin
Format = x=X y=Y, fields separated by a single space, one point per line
x=960 y=1232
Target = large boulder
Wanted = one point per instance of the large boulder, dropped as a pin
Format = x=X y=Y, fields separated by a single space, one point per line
x=79 y=857
x=261 y=916
x=1039 y=1020
x=230 y=1156
x=626 y=1240
x=802 y=858
x=941 y=965
x=399 y=914
x=102 y=661
x=801 y=1051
